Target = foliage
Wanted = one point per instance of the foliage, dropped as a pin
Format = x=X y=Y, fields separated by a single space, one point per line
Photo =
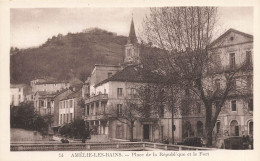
x=77 y=129
x=185 y=62
x=65 y=57
x=24 y=116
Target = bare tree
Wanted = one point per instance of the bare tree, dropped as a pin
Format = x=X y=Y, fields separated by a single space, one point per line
x=185 y=60
x=146 y=102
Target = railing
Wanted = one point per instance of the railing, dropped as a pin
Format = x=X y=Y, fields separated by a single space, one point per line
x=96 y=98
x=123 y=146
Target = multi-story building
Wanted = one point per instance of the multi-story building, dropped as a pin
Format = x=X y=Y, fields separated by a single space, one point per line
x=69 y=108
x=44 y=103
x=17 y=94
x=232 y=54
x=50 y=86
x=234 y=49
x=110 y=94
x=59 y=96
x=231 y=49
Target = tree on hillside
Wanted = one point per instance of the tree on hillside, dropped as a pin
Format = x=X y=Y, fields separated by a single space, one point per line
x=184 y=35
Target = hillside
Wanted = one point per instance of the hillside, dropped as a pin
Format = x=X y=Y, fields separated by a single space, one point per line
x=65 y=57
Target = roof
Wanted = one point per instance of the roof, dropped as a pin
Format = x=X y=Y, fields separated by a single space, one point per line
x=51 y=82
x=75 y=94
x=229 y=31
x=106 y=65
x=131 y=73
x=17 y=85
x=132 y=36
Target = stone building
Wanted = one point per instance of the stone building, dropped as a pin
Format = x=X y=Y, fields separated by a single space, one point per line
x=234 y=49
x=112 y=86
x=18 y=93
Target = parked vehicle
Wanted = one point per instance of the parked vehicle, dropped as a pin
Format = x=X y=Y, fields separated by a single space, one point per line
x=192 y=141
x=234 y=143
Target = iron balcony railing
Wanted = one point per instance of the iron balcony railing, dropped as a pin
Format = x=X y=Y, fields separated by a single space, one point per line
x=95 y=98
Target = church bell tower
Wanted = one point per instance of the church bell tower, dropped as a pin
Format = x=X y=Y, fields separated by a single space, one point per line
x=132 y=48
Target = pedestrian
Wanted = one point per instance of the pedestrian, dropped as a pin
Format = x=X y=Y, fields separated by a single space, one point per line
x=166 y=141
x=244 y=142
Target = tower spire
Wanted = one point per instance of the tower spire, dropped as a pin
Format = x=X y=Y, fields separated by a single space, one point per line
x=132 y=36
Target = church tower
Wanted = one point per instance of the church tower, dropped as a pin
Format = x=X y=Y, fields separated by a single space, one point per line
x=132 y=48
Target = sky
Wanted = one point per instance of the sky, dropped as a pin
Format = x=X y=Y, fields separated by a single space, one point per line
x=31 y=27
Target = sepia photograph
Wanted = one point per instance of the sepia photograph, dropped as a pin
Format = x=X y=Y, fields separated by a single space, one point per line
x=131 y=79
x=113 y=79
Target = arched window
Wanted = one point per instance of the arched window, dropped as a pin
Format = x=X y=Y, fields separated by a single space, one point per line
x=218 y=127
x=250 y=127
x=187 y=130
x=199 y=128
x=234 y=128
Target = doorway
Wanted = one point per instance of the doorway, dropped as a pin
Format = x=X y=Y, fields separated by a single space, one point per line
x=146 y=132
x=234 y=128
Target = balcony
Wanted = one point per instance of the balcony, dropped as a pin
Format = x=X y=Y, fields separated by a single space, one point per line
x=100 y=97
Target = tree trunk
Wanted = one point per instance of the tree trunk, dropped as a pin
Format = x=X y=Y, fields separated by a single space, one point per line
x=173 y=126
x=132 y=132
x=208 y=125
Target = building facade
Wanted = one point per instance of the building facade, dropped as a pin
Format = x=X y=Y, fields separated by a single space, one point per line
x=69 y=108
x=234 y=49
x=50 y=86
x=17 y=94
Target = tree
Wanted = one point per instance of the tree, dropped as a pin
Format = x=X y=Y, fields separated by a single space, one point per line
x=140 y=105
x=76 y=129
x=24 y=116
x=184 y=35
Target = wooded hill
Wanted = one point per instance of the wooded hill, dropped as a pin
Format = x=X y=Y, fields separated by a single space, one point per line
x=67 y=57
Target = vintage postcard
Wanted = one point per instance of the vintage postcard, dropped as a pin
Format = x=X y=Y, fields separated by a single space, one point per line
x=102 y=80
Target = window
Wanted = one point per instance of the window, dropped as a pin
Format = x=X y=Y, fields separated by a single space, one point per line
x=233 y=105
x=251 y=128
x=105 y=91
x=19 y=97
x=19 y=89
x=42 y=103
x=161 y=111
x=87 y=110
x=70 y=103
x=233 y=84
x=133 y=92
x=232 y=60
x=217 y=84
x=48 y=104
x=64 y=118
x=119 y=109
x=71 y=119
x=248 y=57
x=109 y=74
x=128 y=52
x=119 y=92
x=250 y=105
x=218 y=127
x=60 y=118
